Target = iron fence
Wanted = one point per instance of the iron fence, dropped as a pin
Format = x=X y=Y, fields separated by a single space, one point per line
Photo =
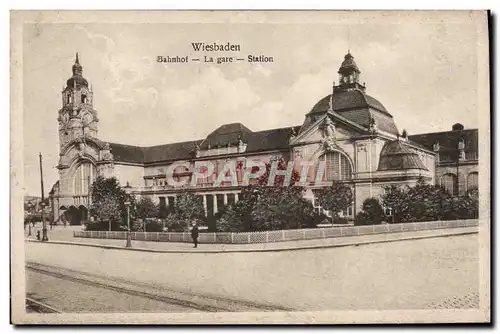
x=277 y=236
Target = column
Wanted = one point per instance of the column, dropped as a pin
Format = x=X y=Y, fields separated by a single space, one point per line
x=236 y=199
x=205 y=204
x=225 y=199
x=215 y=203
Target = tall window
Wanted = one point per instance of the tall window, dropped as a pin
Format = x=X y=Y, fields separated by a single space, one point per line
x=337 y=166
x=472 y=181
x=449 y=182
x=84 y=176
x=163 y=203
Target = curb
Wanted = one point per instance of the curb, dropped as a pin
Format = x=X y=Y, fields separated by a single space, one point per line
x=444 y=234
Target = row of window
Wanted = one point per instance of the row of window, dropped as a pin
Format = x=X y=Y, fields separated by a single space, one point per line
x=337 y=167
x=453 y=157
x=450 y=182
x=69 y=98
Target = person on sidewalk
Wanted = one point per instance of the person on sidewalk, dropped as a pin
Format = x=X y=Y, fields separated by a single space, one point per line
x=194 y=234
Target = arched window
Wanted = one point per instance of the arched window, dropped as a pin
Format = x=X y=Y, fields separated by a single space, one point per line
x=449 y=183
x=84 y=98
x=84 y=176
x=472 y=181
x=337 y=166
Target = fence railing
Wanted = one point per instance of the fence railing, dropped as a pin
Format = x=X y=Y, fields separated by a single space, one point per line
x=277 y=236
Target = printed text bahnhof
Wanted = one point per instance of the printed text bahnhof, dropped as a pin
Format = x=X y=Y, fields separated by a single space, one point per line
x=214 y=47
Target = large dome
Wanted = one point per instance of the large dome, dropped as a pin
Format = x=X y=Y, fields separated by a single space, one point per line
x=356 y=106
x=349 y=99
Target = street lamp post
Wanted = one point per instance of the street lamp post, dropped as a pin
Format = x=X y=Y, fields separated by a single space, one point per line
x=129 y=238
x=44 y=228
x=30 y=207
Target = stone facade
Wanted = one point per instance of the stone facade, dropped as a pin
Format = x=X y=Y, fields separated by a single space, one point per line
x=456 y=158
x=350 y=131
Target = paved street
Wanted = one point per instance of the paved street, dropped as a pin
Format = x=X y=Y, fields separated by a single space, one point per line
x=70 y=296
x=404 y=274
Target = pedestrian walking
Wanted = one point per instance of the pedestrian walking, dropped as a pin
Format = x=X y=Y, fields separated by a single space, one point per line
x=194 y=234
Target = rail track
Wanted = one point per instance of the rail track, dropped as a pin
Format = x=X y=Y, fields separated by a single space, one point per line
x=204 y=303
x=35 y=306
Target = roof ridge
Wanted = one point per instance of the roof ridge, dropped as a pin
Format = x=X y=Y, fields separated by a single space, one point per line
x=178 y=142
x=158 y=145
x=440 y=132
x=362 y=94
x=274 y=129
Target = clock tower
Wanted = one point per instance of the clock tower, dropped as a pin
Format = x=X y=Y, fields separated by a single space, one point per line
x=77 y=117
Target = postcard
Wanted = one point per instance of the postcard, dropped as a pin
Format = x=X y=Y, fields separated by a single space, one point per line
x=250 y=167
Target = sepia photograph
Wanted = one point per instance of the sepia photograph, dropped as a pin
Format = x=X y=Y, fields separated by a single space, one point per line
x=250 y=167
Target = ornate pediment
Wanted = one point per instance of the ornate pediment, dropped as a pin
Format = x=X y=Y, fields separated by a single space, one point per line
x=329 y=132
x=328 y=129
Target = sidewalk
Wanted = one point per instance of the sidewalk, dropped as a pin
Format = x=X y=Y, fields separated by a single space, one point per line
x=61 y=235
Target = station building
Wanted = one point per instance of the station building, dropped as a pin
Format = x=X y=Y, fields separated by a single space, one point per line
x=351 y=131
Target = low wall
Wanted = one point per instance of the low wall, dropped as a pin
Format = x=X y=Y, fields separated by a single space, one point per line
x=276 y=236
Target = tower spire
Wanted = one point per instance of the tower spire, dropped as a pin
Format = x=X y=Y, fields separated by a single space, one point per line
x=76 y=60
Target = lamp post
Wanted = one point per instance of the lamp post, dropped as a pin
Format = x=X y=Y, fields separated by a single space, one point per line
x=31 y=206
x=44 y=228
x=129 y=239
x=29 y=226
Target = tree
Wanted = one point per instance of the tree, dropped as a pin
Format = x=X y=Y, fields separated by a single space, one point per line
x=335 y=198
x=427 y=202
x=108 y=201
x=109 y=210
x=187 y=207
x=281 y=209
x=372 y=213
x=473 y=195
x=396 y=199
x=229 y=220
x=262 y=207
x=460 y=207
x=146 y=208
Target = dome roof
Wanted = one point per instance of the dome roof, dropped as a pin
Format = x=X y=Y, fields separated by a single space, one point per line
x=356 y=106
x=348 y=63
x=396 y=155
x=347 y=100
x=77 y=80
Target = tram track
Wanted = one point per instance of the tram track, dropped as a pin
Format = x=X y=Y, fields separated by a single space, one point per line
x=35 y=306
x=184 y=299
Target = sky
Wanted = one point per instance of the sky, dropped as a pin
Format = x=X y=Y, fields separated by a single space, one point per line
x=424 y=73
